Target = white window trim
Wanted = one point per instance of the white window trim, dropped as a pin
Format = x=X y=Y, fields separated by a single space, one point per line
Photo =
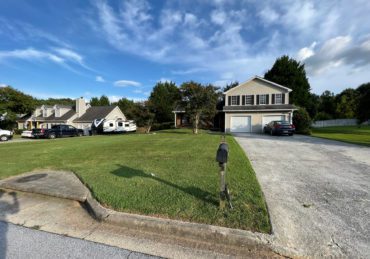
x=281 y=98
x=264 y=99
x=234 y=98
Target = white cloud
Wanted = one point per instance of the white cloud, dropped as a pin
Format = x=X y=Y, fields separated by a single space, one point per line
x=3 y=85
x=164 y=80
x=99 y=79
x=218 y=17
x=116 y=98
x=31 y=54
x=126 y=83
x=69 y=54
x=234 y=46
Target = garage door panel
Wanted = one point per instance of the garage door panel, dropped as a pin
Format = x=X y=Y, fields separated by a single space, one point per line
x=240 y=124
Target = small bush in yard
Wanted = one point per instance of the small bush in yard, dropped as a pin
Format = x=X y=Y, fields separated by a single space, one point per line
x=302 y=121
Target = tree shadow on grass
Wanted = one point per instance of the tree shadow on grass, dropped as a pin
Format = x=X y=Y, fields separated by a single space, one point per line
x=127 y=172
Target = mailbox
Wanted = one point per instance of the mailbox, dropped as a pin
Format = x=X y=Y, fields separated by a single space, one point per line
x=222 y=153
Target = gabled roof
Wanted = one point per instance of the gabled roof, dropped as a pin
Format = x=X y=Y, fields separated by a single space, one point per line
x=95 y=112
x=263 y=80
x=52 y=117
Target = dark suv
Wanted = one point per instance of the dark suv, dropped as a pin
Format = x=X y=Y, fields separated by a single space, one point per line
x=57 y=131
x=279 y=128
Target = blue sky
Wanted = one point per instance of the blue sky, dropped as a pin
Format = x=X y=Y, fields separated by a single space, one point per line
x=122 y=48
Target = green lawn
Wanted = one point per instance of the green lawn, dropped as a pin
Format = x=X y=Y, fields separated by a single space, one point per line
x=171 y=174
x=350 y=134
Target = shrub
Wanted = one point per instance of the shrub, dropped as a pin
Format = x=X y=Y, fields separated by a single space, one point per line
x=162 y=126
x=302 y=121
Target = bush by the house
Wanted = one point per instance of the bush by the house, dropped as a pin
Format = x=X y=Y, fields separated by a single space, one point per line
x=163 y=126
x=302 y=121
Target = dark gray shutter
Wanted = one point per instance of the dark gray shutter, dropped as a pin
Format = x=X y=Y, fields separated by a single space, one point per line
x=258 y=99
x=243 y=99
x=267 y=99
x=273 y=99
x=252 y=100
x=229 y=101
x=283 y=98
x=238 y=100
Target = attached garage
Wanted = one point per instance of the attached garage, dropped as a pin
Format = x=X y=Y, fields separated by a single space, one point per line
x=240 y=124
x=268 y=118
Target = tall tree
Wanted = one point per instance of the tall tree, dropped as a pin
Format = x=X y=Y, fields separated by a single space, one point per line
x=199 y=101
x=102 y=101
x=128 y=107
x=327 y=105
x=230 y=85
x=163 y=99
x=291 y=73
x=143 y=116
x=346 y=104
x=363 y=109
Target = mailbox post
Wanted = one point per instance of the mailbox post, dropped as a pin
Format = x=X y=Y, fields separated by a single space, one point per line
x=221 y=158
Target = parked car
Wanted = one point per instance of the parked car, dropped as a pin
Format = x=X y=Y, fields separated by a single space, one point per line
x=279 y=128
x=57 y=131
x=5 y=135
x=27 y=134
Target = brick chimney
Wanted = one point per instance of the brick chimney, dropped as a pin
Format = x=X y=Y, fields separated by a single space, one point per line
x=80 y=106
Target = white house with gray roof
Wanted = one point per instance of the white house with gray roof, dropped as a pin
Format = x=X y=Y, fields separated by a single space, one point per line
x=81 y=115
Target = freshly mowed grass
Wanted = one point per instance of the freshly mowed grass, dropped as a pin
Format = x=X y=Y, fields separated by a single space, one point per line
x=170 y=174
x=350 y=134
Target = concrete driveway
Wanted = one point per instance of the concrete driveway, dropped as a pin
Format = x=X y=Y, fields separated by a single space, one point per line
x=317 y=192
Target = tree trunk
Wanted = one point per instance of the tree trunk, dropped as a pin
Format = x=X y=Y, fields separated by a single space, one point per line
x=196 y=123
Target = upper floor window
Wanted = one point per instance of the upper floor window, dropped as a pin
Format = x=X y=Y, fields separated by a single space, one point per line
x=234 y=100
x=263 y=99
x=278 y=99
x=249 y=99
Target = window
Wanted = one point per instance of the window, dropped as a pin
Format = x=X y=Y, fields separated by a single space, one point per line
x=110 y=124
x=120 y=124
x=249 y=99
x=263 y=99
x=234 y=100
x=278 y=99
x=127 y=125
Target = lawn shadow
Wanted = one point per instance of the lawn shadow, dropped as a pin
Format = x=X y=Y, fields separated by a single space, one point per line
x=6 y=207
x=127 y=172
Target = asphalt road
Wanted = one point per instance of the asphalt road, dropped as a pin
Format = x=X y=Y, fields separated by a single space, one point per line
x=20 y=242
x=317 y=192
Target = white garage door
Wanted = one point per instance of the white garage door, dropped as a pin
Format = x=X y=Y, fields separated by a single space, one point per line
x=268 y=119
x=240 y=124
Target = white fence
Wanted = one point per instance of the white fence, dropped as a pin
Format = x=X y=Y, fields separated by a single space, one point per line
x=337 y=122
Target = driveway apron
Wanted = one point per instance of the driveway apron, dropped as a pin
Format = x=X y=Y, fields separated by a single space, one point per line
x=317 y=192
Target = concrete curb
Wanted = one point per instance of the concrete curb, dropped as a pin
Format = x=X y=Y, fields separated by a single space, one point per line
x=201 y=236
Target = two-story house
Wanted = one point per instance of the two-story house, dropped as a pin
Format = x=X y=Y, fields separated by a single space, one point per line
x=81 y=115
x=254 y=103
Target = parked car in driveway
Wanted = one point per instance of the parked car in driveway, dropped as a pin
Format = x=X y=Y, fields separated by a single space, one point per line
x=5 y=135
x=279 y=128
x=27 y=134
x=57 y=131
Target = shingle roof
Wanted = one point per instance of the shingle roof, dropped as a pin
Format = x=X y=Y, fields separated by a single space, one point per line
x=52 y=117
x=260 y=107
x=95 y=112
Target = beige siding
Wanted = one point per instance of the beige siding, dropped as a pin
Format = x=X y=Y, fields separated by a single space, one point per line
x=255 y=87
x=256 y=119
x=116 y=114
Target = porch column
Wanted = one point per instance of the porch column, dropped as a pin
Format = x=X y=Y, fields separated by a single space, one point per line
x=175 y=119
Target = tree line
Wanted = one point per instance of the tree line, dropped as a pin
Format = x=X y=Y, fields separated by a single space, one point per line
x=201 y=101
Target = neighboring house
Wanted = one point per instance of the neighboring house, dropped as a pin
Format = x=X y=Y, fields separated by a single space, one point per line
x=248 y=107
x=254 y=103
x=81 y=115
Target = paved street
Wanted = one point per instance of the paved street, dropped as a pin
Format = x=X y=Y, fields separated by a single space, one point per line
x=21 y=242
x=317 y=192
